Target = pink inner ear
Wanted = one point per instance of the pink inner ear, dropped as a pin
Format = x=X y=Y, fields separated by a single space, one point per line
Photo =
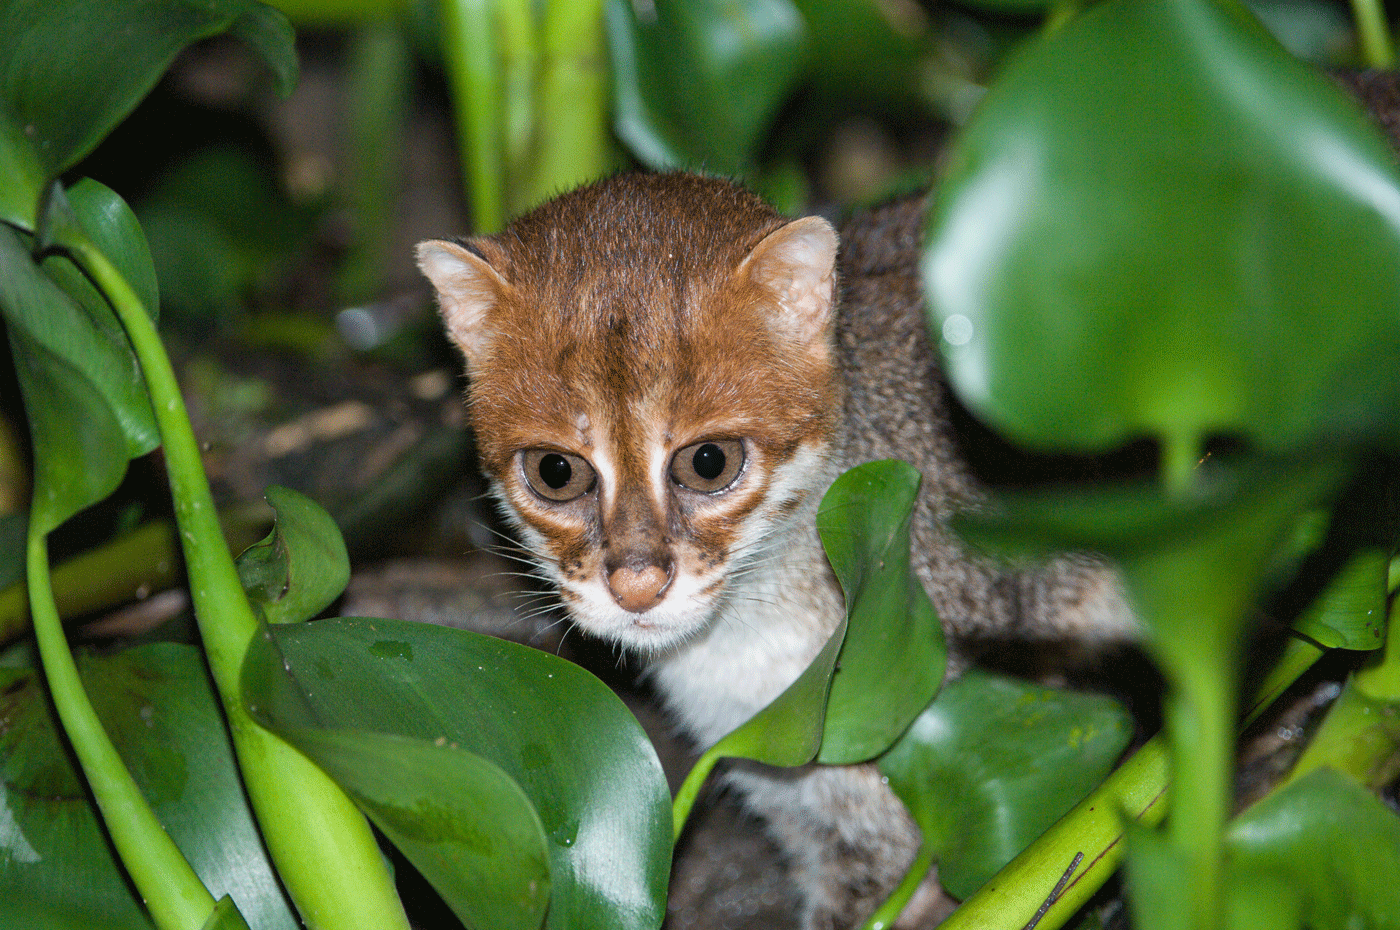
x=468 y=289
x=797 y=264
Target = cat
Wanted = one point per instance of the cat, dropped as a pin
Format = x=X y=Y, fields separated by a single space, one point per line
x=665 y=376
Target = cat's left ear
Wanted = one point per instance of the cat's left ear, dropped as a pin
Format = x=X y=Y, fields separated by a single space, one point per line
x=797 y=264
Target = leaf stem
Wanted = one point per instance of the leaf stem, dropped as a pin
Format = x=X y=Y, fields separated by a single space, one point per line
x=887 y=913
x=470 y=55
x=1374 y=33
x=324 y=848
x=1061 y=12
x=690 y=790
x=1137 y=790
x=173 y=893
x=1200 y=712
x=572 y=135
x=1379 y=678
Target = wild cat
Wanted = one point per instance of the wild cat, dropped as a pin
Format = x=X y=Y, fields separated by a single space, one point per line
x=665 y=376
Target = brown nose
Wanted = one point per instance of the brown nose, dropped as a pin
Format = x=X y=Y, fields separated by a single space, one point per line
x=640 y=588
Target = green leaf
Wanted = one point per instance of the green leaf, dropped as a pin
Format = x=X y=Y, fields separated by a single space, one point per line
x=865 y=53
x=79 y=448
x=459 y=818
x=377 y=687
x=83 y=390
x=993 y=762
x=226 y=916
x=111 y=226
x=1191 y=232
x=893 y=659
x=1332 y=840
x=24 y=176
x=1350 y=611
x=301 y=567
x=158 y=706
x=70 y=72
x=697 y=83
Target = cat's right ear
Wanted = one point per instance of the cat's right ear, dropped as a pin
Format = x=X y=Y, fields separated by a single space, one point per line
x=468 y=289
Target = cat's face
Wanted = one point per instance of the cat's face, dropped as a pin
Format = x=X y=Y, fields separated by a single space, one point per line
x=653 y=391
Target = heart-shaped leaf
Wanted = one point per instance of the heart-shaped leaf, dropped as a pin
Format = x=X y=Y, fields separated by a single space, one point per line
x=370 y=697
x=302 y=565
x=71 y=72
x=890 y=643
x=1159 y=223
x=993 y=762
x=1333 y=841
x=697 y=83
x=83 y=390
x=893 y=659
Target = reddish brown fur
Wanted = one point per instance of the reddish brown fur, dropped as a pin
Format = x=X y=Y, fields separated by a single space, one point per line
x=626 y=289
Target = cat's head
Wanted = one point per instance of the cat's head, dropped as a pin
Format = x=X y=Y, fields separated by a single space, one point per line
x=653 y=387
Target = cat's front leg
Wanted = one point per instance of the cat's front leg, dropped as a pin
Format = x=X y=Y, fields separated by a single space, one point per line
x=848 y=840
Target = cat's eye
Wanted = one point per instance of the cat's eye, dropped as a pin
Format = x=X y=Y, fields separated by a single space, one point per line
x=556 y=476
x=708 y=466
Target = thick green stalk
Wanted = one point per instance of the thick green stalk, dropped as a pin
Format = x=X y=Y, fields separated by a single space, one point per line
x=572 y=131
x=1374 y=33
x=1200 y=718
x=1379 y=678
x=1135 y=791
x=380 y=70
x=324 y=849
x=173 y=893
x=517 y=50
x=470 y=57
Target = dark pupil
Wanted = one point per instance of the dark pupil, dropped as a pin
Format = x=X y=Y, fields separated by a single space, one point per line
x=555 y=470
x=708 y=461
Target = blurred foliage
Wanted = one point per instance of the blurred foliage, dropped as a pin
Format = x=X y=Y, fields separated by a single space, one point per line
x=1113 y=203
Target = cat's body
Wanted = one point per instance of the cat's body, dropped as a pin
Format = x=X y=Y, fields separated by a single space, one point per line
x=663 y=385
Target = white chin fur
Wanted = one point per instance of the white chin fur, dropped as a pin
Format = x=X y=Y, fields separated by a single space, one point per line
x=681 y=616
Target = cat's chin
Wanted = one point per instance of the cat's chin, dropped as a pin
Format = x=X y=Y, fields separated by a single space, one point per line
x=662 y=629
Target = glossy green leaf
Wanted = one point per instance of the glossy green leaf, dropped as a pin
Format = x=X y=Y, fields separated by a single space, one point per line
x=889 y=644
x=993 y=762
x=83 y=390
x=110 y=225
x=301 y=567
x=24 y=176
x=865 y=53
x=1350 y=611
x=69 y=72
x=1254 y=899
x=226 y=916
x=462 y=699
x=1188 y=231
x=79 y=448
x=459 y=818
x=1332 y=840
x=696 y=84
x=893 y=659
x=158 y=706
